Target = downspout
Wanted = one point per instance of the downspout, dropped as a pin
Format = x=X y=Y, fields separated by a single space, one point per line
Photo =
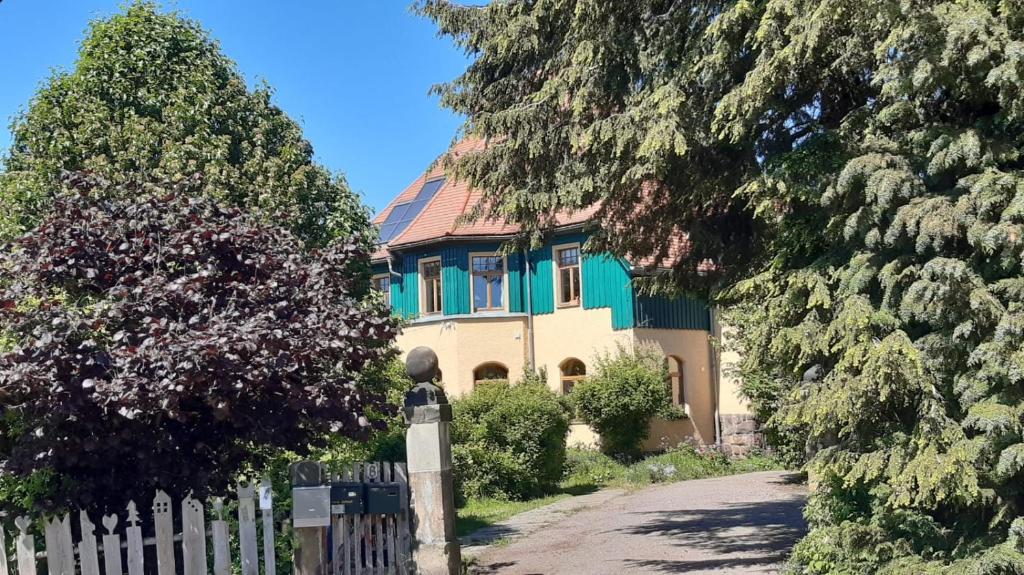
x=713 y=357
x=391 y=270
x=529 y=312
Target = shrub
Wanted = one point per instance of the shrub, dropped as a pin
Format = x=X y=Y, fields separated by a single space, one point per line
x=169 y=342
x=626 y=390
x=509 y=440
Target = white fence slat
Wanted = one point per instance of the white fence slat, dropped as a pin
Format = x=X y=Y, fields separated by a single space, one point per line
x=25 y=546
x=87 y=552
x=247 y=530
x=267 y=510
x=60 y=550
x=375 y=521
x=111 y=547
x=345 y=523
x=221 y=541
x=193 y=536
x=134 y=535
x=389 y=527
x=404 y=547
x=163 y=526
x=3 y=553
x=357 y=526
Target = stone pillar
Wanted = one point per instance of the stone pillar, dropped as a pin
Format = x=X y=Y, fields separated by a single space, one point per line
x=740 y=434
x=429 y=450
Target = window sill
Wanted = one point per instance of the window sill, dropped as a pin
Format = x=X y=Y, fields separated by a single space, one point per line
x=478 y=315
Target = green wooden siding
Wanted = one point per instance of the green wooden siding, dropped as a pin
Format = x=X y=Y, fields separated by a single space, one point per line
x=516 y=284
x=672 y=313
x=406 y=300
x=542 y=289
x=455 y=280
x=607 y=283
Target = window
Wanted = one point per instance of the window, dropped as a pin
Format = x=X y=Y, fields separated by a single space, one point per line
x=382 y=283
x=675 y=381
x=488 y=283
x=489 y=371
x=568 y=261
x=573 y=370
x=401 y=215
x=430 y=271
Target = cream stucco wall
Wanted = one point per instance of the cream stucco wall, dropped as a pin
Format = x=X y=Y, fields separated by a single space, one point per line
x=462 y=344
x=574 y=332
x=693 y=347
x=731 y=402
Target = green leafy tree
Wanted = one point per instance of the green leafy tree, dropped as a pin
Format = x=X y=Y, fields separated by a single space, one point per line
x=853 y=170
x=152 y=98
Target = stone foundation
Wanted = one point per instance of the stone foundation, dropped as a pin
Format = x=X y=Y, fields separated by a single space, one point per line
x=740 y=434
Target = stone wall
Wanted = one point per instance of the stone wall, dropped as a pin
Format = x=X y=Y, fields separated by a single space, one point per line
x=740 y=433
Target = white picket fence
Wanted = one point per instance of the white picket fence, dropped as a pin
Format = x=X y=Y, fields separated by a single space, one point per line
x=63 y=557
x=362 y=544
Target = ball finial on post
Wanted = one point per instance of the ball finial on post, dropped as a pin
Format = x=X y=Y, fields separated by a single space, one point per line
x=421 y=364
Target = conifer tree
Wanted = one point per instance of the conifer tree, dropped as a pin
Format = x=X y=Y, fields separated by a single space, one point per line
x=853 y=168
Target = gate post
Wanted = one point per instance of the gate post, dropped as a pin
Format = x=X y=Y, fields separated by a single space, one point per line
x=310 y=518
x=429 y=450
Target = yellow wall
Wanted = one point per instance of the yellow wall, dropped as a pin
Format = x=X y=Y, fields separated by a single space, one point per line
x=693 y=347
x=464 y=343
x=574 y=332
x=731 y=402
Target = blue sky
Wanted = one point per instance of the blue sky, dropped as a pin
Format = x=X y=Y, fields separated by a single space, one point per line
x=355 y=74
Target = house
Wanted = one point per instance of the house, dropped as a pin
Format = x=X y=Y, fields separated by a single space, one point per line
x=489 y=315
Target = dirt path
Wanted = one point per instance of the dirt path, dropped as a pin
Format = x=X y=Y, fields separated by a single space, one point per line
x=743 y=524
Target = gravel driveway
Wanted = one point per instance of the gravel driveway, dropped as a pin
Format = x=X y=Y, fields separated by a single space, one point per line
x=728 y=525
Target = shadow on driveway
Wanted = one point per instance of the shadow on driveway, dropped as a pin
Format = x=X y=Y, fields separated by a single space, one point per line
x=737 y=535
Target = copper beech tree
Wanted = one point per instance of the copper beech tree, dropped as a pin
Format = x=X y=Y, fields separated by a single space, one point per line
x=164 y=341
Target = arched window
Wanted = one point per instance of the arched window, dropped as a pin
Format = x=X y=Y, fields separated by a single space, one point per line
x=675 y=374
x=573 y=370
x=489 y=371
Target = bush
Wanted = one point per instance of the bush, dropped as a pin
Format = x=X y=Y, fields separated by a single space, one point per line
x=169 y=342
x=619 y=400
x=508 y=441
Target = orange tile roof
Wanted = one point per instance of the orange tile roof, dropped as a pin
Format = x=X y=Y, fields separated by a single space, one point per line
x=442 y=216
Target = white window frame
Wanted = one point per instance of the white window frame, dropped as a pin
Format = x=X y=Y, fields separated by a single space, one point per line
x=504 y=281
x=375 y=277
x=423 y=285
x=557 y=276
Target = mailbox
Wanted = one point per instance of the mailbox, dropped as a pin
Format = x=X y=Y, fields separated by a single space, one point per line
x=311 y=506
x=347 y=497
x=383 y=498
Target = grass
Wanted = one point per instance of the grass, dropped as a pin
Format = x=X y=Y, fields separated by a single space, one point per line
x=587 y=471
x=480 y=513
